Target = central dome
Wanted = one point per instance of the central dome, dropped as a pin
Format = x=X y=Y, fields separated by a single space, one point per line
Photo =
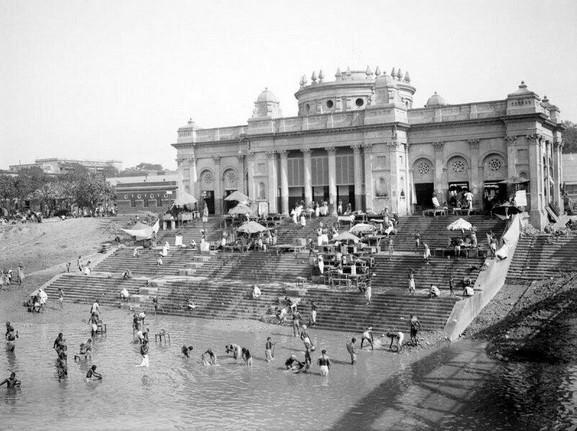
x=435 y=100
x=267 y=96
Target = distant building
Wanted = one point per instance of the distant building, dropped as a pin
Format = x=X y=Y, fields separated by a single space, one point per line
x=57 y=166
x=570 y=174
x=360 y=141
x=153 y=193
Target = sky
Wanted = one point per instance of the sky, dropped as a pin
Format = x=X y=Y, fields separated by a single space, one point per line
x=115 y=79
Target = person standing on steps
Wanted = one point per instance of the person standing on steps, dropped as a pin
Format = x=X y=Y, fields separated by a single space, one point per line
x=417 y=241
x=391 y=248
x=415 y=326
x=368 y=293
x=427 y=253
x=313 y=320
x=451 y=286
x=412 y=288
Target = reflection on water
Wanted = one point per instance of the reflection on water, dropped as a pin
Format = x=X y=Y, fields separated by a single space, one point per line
x=456 y=387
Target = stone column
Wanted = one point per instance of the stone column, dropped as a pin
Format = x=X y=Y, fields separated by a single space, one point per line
x=547 y=145
x=369 y=193
x=536 y=184
x=218 y=204
x=358 y=177
x=307 y=173
x=558 y=172
x=476 y=182
x=241 y=167
x=439 y=162
x=284 y=189
x=332 y=180
x=272 y=182
x=394 y=177
x=250 y=169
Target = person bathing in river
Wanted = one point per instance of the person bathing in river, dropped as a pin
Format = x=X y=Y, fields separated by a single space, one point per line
x=368 y=337
x=92 y=374
x=235 y=349
x=11 y=335
x=186 y=350
x=11 y=382
x=246 y=357
x=208 y=358
x=268 y=349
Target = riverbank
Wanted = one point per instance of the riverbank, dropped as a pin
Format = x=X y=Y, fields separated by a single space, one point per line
x=530 y=323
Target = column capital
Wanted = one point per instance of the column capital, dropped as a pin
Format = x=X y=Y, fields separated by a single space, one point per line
x=356 y=148
x=368 y=148
x=331 y=149
x=270 y=153
x=283 y=154
x=438 y=146
x=251 y=155
x=305 y=150
x=510 y=139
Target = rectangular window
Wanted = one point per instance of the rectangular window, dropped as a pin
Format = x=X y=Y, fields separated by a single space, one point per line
x=146 y=202
x=320 y=171
x=295 y=172
x=158 y=200
x=345 y=166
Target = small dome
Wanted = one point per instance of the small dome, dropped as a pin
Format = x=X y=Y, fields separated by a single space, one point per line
x=435 y=100
x=522 y=90
x=267 y=96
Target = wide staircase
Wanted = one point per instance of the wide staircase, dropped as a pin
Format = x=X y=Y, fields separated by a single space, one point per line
x=192 y=231
x=288 y=232
x=434 y=231
x=337 y=310
x=219 y=284
x=393 y=275
x=543 y=256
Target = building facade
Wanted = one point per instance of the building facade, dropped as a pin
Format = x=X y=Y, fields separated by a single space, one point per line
x=154 y=193
x=57 y=166
x=358 y=139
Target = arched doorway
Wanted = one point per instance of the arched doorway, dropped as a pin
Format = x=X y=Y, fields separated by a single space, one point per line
x=424 y=180
x=207 y=183
x=494 y=189
x=457 y=179
x=230 y=182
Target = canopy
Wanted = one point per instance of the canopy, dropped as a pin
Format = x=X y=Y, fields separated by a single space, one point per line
x=142 y=231
x=237 y=196
x=346 y=236
x=515 y=180
x=183 y=198
x=362 y=228
x=252 y=227
x=460 y=224
x=240 y=209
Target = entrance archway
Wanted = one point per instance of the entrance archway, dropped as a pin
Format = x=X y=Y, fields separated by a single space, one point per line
x=207 y=183
x=424 y=180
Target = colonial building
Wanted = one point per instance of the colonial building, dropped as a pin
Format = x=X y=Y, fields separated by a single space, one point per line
x=153 y=193
x=359 y=140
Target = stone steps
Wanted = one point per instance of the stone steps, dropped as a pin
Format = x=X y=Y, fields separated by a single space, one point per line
x=338 y=310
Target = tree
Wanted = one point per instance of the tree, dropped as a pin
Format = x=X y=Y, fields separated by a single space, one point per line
x=570 y=137
x=86 y=189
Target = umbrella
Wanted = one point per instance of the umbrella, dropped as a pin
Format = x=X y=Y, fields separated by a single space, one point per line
x=346 y=236
x=183 y=199
x=362 y=228
x=141 y=231
x=237 y=196
x=240 y=209
x=460 y=224
x=252 y=227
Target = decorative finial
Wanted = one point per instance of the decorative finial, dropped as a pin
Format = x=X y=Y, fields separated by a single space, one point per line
x=321 y=76
x=399 y=74
x=314 y=77
x=303 y=81
x=393 y=72
x=378 y=71
x=348 y=70
x=338 y=74
x=523 y=85
x=407 y=77
x=368 y=71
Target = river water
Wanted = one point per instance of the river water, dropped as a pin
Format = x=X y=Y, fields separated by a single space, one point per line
x=453 y=387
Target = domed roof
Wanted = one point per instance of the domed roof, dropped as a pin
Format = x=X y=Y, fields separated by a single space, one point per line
x=435 y=100
x=522 y=90
x=267 y=96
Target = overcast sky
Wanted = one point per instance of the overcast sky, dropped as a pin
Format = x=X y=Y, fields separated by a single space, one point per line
x=101 y=80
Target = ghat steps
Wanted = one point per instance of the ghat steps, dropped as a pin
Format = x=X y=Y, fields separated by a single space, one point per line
x=337 y=310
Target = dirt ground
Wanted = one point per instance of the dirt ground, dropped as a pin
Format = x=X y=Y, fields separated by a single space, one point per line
x=40 y=246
